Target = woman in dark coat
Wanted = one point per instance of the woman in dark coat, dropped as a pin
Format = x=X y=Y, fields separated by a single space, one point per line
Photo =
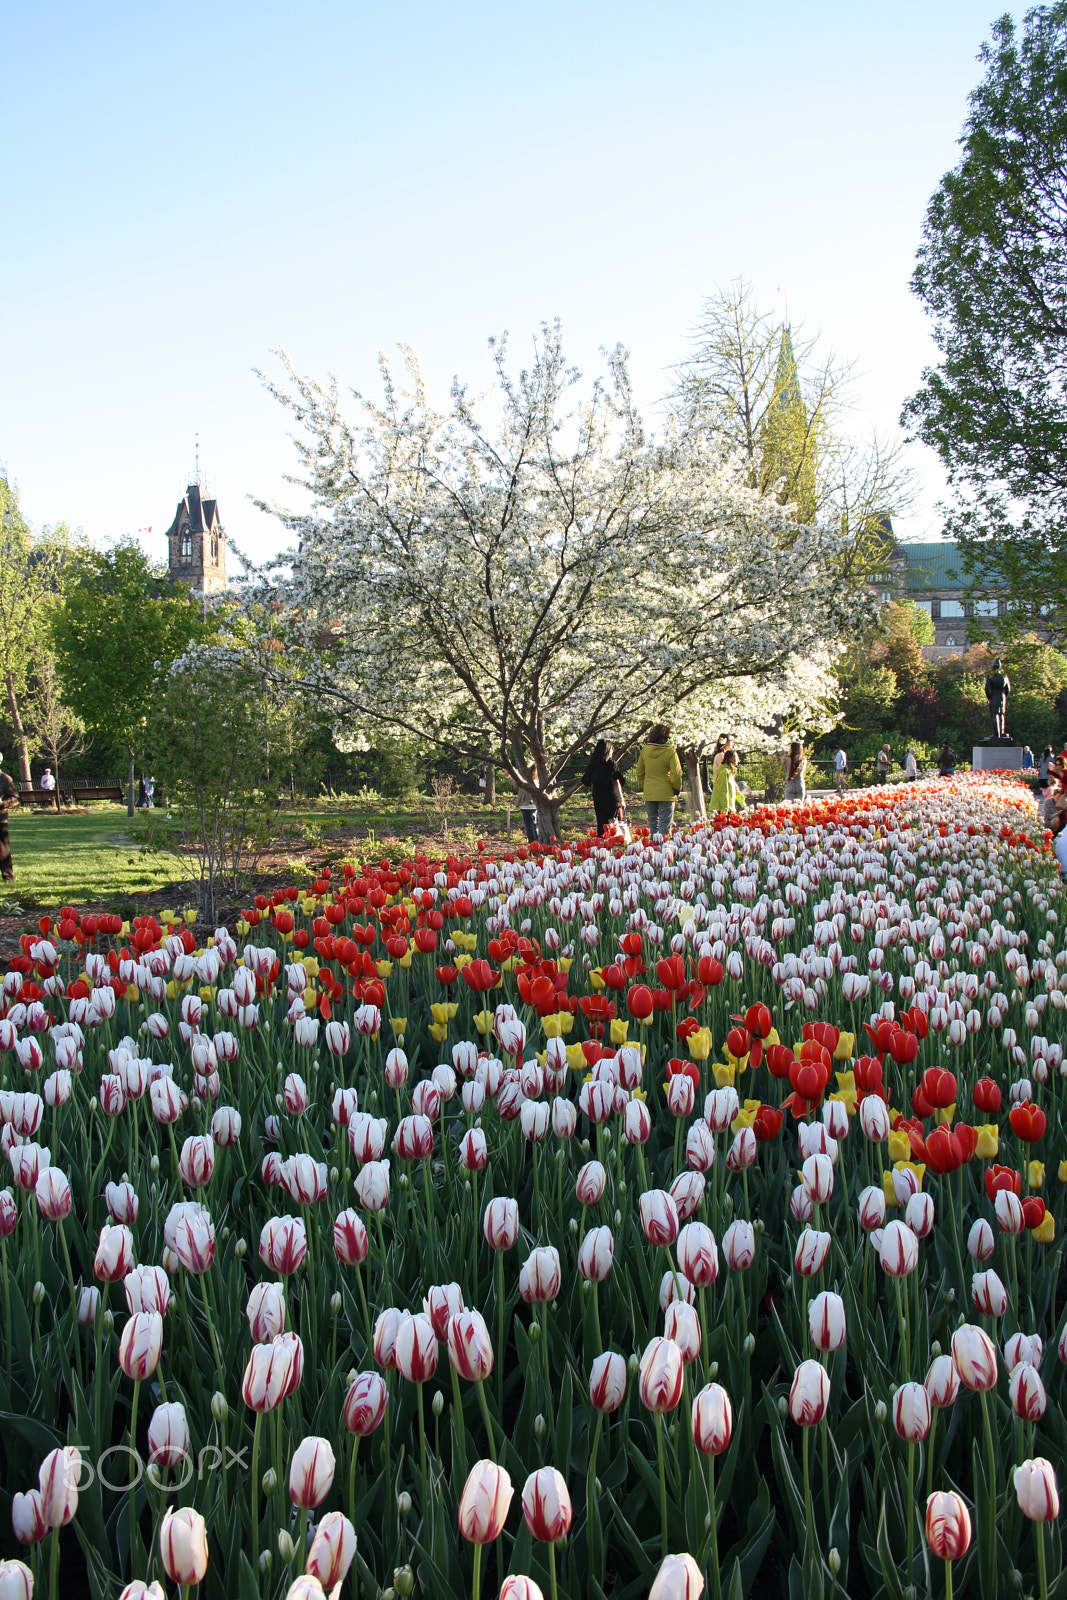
x=604 y=778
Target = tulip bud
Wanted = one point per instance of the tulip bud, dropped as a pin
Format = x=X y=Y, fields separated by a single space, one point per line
x=810 y=1394
x=826 y=1321
x=1027 y=1392
x=679 y=1577
x=311 y=1473
x=713 y=1420
x=974 y=1357
x=911 y=1412
x=546 y=1505
x=948 y=1526
x=484 y=1503
x=332 y=1551
x=1036 y=1490
x=661 y=1374
x=58 y=1483
x=607 y=1382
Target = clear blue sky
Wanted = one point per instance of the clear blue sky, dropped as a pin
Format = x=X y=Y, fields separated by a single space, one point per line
x=188 y=186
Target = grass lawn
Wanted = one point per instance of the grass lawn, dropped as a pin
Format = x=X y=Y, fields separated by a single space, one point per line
x=82 y=859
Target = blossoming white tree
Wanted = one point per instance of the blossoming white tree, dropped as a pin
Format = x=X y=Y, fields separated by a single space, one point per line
x=531 y=569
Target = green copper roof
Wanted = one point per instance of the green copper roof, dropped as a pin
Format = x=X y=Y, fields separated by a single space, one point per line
x=936 y=565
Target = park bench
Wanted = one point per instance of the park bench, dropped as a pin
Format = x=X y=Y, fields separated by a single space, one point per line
x=80 y=794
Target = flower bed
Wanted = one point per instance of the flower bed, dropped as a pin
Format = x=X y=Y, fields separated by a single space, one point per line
x=709 y=1196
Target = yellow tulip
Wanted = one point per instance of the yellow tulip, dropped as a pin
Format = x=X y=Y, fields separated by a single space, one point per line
x=943 y=1114
x=725 y=1073
x=899 y=1147
x=596 y=978
x=207 y=994
x=124 y=930
x=311 y=999
x=462 y=961
x=132 y=994
x=619 y=1030
x=483 y=1021
x=575 y=1057
x=1047 y=1231
x=888 y=1191
x=384 y=968
x=1035 y=1174
x=700 y=1045
x=167 y=918
x=846 y=1043
x=1062 y=1174
x=746 y=1115
x=438 y=1031
x=399 y=1025
x=565 y=963
x=552 y=1025
x=405 y=959
x=243 y=928
x=311 y=966
x=988 y=1143
x=443 y=1011
x=847 y=1092
x=772 y=1038
x=189 y=914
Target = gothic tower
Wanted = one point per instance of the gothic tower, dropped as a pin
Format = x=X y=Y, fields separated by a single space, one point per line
x=196 y=544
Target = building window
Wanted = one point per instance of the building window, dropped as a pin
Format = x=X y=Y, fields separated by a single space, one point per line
x=925 y=605
x=215 y=548
x=951 y=608
x=985 y=608
x=186 y=550
x=951 y=641
x=885 y=597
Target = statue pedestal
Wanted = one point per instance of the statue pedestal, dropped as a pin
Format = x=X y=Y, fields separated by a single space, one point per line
x=993 y=753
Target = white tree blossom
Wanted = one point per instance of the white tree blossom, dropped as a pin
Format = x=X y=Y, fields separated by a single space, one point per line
x=530 y=571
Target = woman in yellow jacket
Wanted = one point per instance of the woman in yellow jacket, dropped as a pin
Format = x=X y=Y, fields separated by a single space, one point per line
x=725 y=795
x=659 y=772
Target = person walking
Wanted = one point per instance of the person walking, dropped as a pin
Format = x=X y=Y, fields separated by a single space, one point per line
x=794 y=766
x=527 y=811
x=1028 y=759
x=725 y=795
x=9 y=796
x=659 y=772
x=723 y=744
x=604 y=778
x=882 y=763
x=911 y=767
x=840 y=771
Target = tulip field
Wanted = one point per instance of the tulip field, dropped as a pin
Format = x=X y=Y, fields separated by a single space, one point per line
x=610 y=1220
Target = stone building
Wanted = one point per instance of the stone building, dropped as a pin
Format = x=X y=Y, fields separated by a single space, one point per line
x=196 y=544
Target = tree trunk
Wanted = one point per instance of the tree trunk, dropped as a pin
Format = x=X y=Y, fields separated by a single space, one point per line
x=20 y=732
x=490 y=784
x=55 y=774
x=696 y=788
x=548 y=824
x=129 y=784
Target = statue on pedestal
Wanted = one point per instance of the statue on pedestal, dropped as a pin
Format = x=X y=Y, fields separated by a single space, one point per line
x=997 y=690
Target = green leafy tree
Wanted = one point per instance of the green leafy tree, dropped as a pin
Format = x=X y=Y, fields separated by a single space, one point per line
x=31 y=571
x=216 y=727
x=992 y=275
x=123 y=621
x=781 y=405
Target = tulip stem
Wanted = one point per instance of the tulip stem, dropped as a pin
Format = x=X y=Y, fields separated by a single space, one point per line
x=427 y=1184
x=211 y=1333
x=476 y=1585
x=552 y=1570
x=716 y=1580
x=549 y=1408
x=809 y=1514
x=7 y=1314
x=425 y=1506
x=663 y=1484
x=500 y=1335
x=255 y=1491
x=366 y=1313
x=911 y=1509
x=948 y=1580
x=1042 y=1577
x=133 y=1486
x=75 y=1334
x=484 y=1404
x=53 y=1575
